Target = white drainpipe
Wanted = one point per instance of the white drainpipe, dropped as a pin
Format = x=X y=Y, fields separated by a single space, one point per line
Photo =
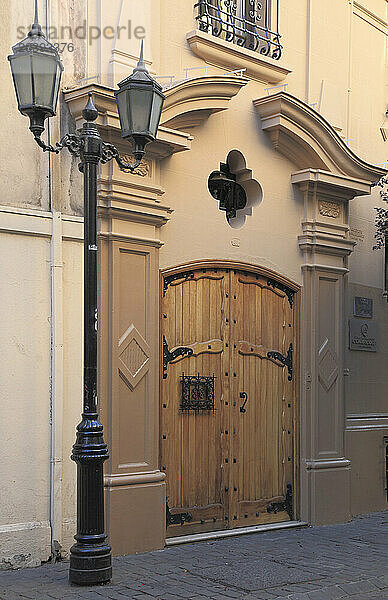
x=56 y=404
x=56 y=391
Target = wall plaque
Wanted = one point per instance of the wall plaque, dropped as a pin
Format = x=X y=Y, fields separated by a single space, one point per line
x=362 y=335
x=363 y=307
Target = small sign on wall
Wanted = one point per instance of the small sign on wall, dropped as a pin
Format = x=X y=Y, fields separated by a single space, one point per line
x=363 y=307
x=362 y=335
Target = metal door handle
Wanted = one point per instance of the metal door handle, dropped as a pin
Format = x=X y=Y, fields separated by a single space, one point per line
x=243 y=396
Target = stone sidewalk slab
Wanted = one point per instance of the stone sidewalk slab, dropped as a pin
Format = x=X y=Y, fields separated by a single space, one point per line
x=318 y=563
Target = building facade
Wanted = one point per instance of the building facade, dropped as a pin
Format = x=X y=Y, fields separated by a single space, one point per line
x=242 y=344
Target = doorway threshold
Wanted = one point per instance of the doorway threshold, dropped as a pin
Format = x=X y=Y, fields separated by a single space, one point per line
x=216 y=535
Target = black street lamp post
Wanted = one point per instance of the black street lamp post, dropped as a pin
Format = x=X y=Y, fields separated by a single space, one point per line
x=37 y=69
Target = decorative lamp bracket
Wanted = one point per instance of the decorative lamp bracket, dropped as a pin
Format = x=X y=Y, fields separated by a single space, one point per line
x=75 y=142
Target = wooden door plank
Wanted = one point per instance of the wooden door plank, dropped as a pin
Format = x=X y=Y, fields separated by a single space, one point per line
x=263 y=431
x=226 y=424
x=197 y=451
x=213 y=430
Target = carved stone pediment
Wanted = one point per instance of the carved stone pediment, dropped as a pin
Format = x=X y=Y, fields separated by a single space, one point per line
x=307 y=139
x=191 y=102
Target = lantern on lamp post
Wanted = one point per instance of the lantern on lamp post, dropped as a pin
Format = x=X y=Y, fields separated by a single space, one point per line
x=36 y=71
x=139 y=101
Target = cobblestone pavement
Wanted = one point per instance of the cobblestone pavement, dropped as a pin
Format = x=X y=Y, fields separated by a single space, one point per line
x=347 y=561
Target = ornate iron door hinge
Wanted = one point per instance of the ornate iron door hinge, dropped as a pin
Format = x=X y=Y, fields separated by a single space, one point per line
x=170 y=278
x=170 y=356
x=279 y=286
x=285 y=506
x=285 y=360
x=177 y=518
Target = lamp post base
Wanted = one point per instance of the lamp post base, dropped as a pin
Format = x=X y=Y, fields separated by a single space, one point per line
x=90 y=556
x=90 y=565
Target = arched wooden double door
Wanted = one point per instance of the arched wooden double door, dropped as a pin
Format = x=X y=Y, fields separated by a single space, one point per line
x=228 y=399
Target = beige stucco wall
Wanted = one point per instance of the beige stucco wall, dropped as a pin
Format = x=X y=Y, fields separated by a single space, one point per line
x=366 y=392
x=41 y=351
x=336 y=52
x=198 y=229
x=322 y=44
x=41 y=345
x=25 y=393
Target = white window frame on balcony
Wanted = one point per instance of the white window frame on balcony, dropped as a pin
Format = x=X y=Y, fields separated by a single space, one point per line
x=247 y=23
x=225 y=37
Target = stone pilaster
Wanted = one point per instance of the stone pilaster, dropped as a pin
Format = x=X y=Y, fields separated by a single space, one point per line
x=325 y=244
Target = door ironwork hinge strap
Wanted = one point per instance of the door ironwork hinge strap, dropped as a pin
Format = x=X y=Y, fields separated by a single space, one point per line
x=286 y=361
x=170 y=278
x=170 y=356
x=177 y=518
x=285 y=506
x=289 y=293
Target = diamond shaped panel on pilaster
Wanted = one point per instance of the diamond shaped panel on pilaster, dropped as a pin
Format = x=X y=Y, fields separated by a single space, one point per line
x=327 y=365
x=134 y=356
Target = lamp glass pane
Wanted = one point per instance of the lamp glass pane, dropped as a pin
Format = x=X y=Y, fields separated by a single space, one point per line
x=124 y=112
x=21 y=69
x=155 y=115
x=140 y=106
x=44 y=69
x=56 y=87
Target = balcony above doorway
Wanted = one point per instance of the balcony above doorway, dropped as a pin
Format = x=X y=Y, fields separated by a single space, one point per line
x=240 y=34
x=246 y=23
x=229 y=56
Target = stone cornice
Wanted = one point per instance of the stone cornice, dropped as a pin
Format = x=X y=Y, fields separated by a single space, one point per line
x=169 y=141
x=325 y=227
x=331 y=184
x=229 y=56
x=305 y=137
x=191 y=102
x=313 y=242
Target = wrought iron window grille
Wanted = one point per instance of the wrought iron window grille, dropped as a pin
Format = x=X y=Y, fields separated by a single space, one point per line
x=243 y=22
x=197 y=393
x=223 y=187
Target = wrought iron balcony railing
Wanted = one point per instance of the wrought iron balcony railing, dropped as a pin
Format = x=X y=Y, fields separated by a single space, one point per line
x=243 y=22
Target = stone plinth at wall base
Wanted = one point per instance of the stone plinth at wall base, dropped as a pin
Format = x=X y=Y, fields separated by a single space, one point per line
x=136 y=517
x=69 y=529
x=24 y=544
x=329 y=489
x=366 y=447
